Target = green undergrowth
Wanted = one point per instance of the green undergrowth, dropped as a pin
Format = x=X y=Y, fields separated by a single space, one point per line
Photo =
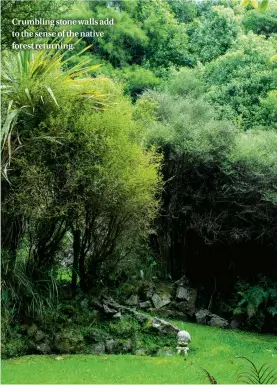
x=212 y=349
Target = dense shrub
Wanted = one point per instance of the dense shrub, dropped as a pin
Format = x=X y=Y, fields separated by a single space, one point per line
x=218 y=178
x=15 y=347
x=260 y=23
x=257 y=304
x=213 y=34
x=136 y=80
x=240 y=79
x=96 y=180
x=26 y=290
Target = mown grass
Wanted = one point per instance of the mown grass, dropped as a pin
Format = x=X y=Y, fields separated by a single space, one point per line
x=211 y=348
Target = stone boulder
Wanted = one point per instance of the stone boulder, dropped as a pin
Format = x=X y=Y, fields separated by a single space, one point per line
x=111 y=308
x=145 y=305
x=110 y=345
x=202 y=316
x=94 y=302
x=98 y=348
x=218 y=322
x=205 y=317
x=39 y=336
x=126 y=346
x=186 y=308
x=185 y=300
x=68 y=342
x=108 y=310
x=32 y=330
x=170 y=313
x=146 y=290
x=117 y=315
x=132 y=300
x=183 y=293
x=123 y=346
x=235 y=323
x=43 y=348
x=166 y=291
x=112 y=304
x=182 y=281
x=160 y=326
x=159 y=302
x=140 y=317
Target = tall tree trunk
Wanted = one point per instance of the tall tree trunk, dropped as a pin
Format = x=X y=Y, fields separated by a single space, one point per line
x=76 y=256
x=82 y=271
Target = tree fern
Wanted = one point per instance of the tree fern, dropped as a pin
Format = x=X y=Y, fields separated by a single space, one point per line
x=261 y=297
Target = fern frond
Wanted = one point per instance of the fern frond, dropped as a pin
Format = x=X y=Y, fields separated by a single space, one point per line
x=265 y=375
x=211 y=378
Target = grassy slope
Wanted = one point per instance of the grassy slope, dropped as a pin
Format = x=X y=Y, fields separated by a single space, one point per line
x=211 y=348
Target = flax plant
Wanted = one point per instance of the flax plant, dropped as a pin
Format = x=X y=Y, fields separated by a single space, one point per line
x=28 y=78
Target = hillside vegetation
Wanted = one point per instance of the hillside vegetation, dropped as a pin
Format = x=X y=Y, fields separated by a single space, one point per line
x=139 y=171
x=212 y=349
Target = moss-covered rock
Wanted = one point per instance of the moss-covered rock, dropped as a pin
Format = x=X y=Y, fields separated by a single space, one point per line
x=98 y=348
x=68 y=341
x=32 y=330
x=124 y=346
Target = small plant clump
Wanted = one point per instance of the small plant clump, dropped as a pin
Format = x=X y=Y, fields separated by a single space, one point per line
x=266 y=374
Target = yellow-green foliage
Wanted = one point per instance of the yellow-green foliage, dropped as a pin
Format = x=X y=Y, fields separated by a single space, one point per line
x=240 y=79
x=110 y=154
x=82 y=160
x=256 y=149
x=83 y=154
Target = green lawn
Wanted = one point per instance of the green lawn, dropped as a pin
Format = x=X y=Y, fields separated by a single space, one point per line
x=211 y=348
